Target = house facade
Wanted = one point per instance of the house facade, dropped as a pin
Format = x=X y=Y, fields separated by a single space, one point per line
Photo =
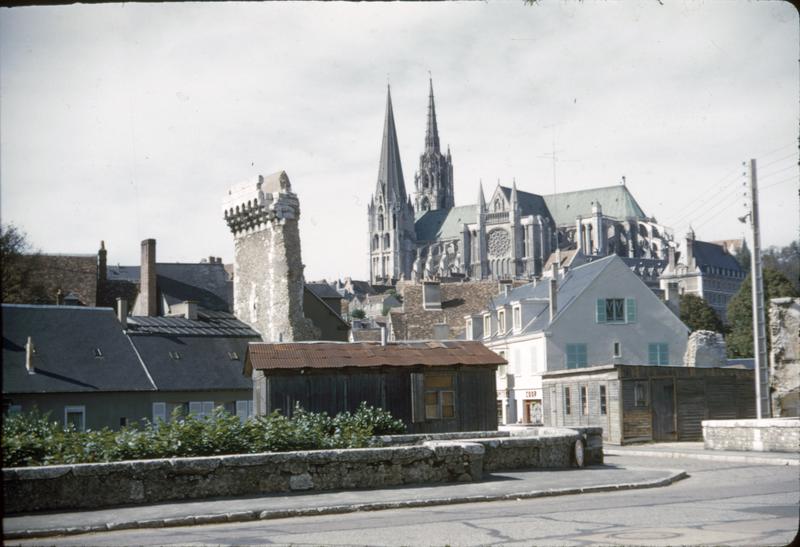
x=432 y=386
x=596 y=314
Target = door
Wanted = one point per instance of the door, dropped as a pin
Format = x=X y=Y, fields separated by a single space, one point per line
x=664 y=410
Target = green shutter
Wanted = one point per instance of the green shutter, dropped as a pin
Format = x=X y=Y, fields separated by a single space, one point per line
x=664 y=354
x=630 y=304
x=652 y=354
x=600 y=317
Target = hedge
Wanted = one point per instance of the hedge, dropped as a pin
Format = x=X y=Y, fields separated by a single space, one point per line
x=34 y=439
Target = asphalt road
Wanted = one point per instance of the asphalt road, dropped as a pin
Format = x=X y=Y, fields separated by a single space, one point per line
x=720 y=503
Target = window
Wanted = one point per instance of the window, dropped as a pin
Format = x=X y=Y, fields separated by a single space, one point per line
x=567 y=402
x=440 y=400
x=576 y=355
x=640 y=393
x=658 y=354
x=501 y=321
x=487 y=326
x=75 y=416
x=603 y=401
x=123 y=421
x=14 y=409
x=175 y=356
x=159 y=412
x=201 y=409
x=98 y=353
x=233 y=356
x=517 y=318
x=617 y=350
x=244 y=409
x=468 y=328
x=616 y=310
x=502 y=370
x=500 y=412
x=584 y=402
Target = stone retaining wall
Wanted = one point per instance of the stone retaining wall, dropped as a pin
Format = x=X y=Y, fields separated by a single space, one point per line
x=767 y=435
x=436 y=459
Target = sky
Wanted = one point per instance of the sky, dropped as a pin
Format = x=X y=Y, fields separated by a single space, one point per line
x=122 y=122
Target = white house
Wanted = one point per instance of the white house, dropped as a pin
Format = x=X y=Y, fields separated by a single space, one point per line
x=597 y=313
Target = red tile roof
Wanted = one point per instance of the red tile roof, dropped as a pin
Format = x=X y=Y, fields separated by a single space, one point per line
x=264 y=356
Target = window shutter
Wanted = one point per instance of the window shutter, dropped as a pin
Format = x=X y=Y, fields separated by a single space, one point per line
x=601 y=310
x=417 y=397
x=196 y=408
x=208 y=409
x=241 y=410
x=159 y=412
x=652 y=354
x=630 y=304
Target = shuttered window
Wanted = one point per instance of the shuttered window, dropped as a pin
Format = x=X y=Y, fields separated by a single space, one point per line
x=159 y=412
x=576 y=355
x=658 y=354
x=567 y=402
x=615 y=310
x=201 y=409
x=244 y=409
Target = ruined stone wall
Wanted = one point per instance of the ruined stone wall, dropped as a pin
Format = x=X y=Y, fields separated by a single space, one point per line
x=784 y=361
x=705 y=348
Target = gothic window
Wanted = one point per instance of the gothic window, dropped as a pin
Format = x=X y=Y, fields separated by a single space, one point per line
x=498 y=242
x=426 y=205
x=380 y=221
x=498 y=205
x=394 y=221
x=375 y=242
x=386 y=241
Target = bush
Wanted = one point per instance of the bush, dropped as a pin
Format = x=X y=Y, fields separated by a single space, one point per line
x=35 y=439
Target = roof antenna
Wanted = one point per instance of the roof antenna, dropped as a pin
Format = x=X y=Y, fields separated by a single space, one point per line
x=623 y=180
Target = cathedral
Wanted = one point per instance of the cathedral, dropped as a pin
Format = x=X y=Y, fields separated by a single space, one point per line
x=509 y=236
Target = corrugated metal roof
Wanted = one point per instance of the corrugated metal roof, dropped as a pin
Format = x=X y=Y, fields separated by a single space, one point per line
x=264 y=356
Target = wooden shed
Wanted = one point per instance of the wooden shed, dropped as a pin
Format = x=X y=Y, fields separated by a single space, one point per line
x=635 y=403
x=432 y=386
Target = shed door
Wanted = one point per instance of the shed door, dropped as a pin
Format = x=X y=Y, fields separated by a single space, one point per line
x=664 y=410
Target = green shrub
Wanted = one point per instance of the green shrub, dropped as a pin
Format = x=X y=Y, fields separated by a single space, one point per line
x=35 y=439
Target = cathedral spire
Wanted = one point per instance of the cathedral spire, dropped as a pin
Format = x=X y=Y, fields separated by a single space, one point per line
x=481 y=199
x=390 y=170
x=432 y=131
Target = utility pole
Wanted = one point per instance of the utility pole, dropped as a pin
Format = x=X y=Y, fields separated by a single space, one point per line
x=759 y=331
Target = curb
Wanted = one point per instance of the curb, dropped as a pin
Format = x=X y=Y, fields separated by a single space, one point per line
x=713 y=457
x=245 y=516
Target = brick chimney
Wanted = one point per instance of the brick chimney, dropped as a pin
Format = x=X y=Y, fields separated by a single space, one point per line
x=554 y=292
x=102 y=256
x=148 y=305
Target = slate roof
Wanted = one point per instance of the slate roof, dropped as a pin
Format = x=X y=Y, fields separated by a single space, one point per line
x=331 y=355
x=529 y=204
x=189 y=355
x=569 y=288
x=323 y=290
x=65 y=339
x=712 y=255
x=444 y=223
x=615 y=201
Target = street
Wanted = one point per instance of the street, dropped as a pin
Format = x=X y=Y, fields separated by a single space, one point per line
x=720 y=503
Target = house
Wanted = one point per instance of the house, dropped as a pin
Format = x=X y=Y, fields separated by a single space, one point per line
x=705 y=269
x=431 y=386
x=93 y=368
x=433 y=310
x=596 y=314
x=634 y=403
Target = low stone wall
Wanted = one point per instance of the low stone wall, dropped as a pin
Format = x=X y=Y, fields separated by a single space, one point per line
x=447 y=457
x=767 y=435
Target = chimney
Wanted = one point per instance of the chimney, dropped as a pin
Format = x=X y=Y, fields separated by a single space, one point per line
x=190 y=310
x=101 y=262
x=122 y=312
x=673 y=298
x=211 y=260
x=59 y=298
x=431 y=295
x=147 y=279
x=554 y=292
x=671 y=257
x=383 y=335
x=29 y=356
x=689 y=261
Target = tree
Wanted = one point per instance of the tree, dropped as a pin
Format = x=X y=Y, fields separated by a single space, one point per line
x=740 y=311
x=698 y=315
x=358 y=313
x=19 y=265
x=786 y=260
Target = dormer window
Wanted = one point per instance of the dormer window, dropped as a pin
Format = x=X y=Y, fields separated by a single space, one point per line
x=501 y=321
x=469 y=329
x=233 y=356
x=517 y=317
x=487 y=326
x=98 y=354
x=175 y=356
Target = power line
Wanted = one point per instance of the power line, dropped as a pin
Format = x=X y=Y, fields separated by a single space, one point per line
x=762 y=177
x=778 y=182
x=700 y=200
x=793 y=155
x=723 y=210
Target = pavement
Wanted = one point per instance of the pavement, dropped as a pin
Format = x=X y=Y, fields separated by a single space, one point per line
x=497 y=486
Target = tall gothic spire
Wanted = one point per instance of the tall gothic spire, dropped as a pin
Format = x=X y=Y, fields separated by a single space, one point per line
x=390 y=170
x=432 y=132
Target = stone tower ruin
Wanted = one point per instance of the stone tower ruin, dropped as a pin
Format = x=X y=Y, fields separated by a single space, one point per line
x=262 y=213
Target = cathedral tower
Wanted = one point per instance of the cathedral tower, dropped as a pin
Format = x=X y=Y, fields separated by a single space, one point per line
x=391 y=216
x=433 y=182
